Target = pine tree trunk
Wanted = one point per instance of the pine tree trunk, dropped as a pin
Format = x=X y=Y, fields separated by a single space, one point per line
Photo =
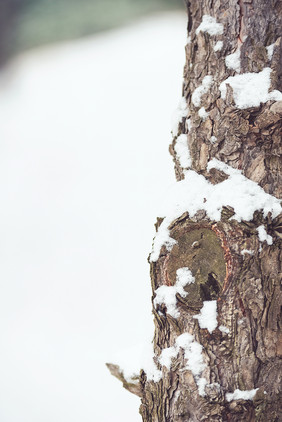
x=230 y=262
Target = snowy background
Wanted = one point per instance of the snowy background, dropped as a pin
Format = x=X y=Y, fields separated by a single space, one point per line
x=84 y=132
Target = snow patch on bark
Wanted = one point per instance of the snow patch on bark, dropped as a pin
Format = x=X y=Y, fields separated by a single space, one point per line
x=208 y=315
x=167 y=294
x=196 y=193
x=201 y=90
x=167 y=355
x=270 y=50
x=224 y=329
x=203 y=113
x=213 y=139
x=218 y=46
x=232 y=61
x=194 y=360
x=220 y=165
x=162 y=238
x=210 y=26
x=247 y=251
x=241 y=395
x=182 y=151
x=263 y=236
x=152 y=372
x=251 y=89
x=201 y=383
x=177 y=116
x=192 y=353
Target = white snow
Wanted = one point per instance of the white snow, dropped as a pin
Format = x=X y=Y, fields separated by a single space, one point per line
x=270 y=50
x=247 y=251
x=167 y=294
x=193 y=355
x=166 y=356
x=220 y=165
x=188 y=39
x=218 y=46
x=195 y=362
x=201 y=90
x=241 y=395
x=162 y=238
x=201 y=383
x=151 y=370
x=197 y=193
x=182 y=151
x=263 y=236
x=184 y=277
x=251 y=89
x=203 y=113
x=232 y=61
x=224 y=329
x=210 y=26
x=73 y=184
x=208 y=315
x=177 y=116
x=192 y=352
x=213 y=139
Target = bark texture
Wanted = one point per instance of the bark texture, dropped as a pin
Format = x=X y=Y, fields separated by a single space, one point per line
x=247 y=287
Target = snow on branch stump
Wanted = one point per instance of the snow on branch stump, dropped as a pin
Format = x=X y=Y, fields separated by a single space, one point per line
x=216 y=258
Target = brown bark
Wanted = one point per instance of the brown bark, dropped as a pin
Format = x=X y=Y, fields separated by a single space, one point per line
x=247 y=287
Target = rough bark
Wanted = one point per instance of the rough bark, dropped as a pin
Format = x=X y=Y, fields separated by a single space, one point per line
x=247 y=287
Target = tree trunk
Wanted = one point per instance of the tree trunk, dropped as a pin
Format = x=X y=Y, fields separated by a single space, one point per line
x=223 y=256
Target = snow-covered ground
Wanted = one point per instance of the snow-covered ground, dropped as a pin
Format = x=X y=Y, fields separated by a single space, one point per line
x=84 y=132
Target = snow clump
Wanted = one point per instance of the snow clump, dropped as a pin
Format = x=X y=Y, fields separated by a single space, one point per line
x=196 y=193
x=167 y=355
x=178 y=115
x=263 y=236
x=251 y=89
x=218 y=46
x=203 y=113
x=193 y=355
x=247 y=251
x=232 y=61
x=241 y=395
x=207 y=316
x=150 y=368
x=182 y=151
x=270 y=50
x=213 y=139
x=201 y=90
x=167 y=294
x=210 y=26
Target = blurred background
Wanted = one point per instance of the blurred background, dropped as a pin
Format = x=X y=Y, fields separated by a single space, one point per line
x=87 y=90
x=25 y=24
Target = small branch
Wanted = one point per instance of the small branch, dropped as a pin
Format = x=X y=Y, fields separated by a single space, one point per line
x=134 y=387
